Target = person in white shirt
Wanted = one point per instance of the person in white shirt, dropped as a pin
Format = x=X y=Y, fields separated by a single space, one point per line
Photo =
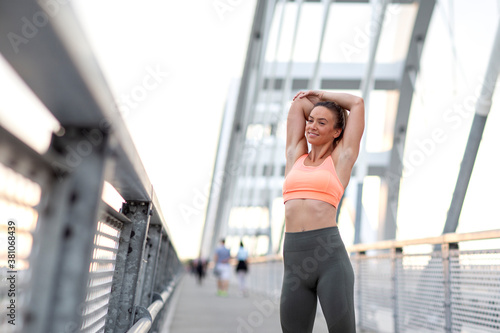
x=242 y=268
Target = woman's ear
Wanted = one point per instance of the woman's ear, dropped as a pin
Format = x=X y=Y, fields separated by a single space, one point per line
x=337 y=132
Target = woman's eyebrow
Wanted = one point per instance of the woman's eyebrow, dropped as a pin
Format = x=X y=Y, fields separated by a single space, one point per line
x=319 y=118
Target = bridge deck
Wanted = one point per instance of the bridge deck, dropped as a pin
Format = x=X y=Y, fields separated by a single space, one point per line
x=198 y=309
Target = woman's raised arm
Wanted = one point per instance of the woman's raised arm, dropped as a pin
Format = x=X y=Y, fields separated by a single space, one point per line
x=355 y=123
x=296 y=144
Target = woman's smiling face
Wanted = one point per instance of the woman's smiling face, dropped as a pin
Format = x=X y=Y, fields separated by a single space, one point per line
x=320 y=126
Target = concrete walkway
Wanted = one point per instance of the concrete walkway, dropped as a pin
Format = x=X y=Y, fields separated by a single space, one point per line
x=197 y=309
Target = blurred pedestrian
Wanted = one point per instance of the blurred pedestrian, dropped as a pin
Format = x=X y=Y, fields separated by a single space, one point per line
x=242 y=268
x=200 y=270
x=222 y=269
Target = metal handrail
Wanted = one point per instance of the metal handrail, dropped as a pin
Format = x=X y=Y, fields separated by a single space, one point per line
x=144 y=324
x=443 y=239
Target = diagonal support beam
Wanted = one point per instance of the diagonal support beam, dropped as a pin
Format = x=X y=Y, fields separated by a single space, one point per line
x=366 y=86
x=483 y=107
x=231 y=164
x=412 y=66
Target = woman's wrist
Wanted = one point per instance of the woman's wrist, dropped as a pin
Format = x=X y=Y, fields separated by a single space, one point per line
x=346 y=101
x=328 y=96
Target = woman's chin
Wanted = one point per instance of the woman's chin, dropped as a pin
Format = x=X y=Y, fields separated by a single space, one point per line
x=312 y=139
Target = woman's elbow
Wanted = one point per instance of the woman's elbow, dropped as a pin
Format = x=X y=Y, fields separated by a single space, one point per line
x=360 y=102
x=300 y=103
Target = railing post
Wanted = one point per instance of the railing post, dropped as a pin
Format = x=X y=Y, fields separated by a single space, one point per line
x=445 y=254
x=154 y=243
x=121 y=261
x=138 y=213
x=160 y=283
x=359 y=278
x=395 y=252
x=64 y=239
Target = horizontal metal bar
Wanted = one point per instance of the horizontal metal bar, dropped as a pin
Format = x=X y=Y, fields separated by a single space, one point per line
x=18 y=156
x=98 y=299
x=99 y=287
x=144 y=324
x=94 y=324
x=265 y=259
x=157 y=215
x=336 y=72
x=117 y=215
x=116 y=239
x=129 y=177
x=474 y=252
x=359 y=1
x=105 y=248
x=155 y=307
x=105 y=306
x=60 y=54
x=96 y=275
x=444 y=239
x=104 y=261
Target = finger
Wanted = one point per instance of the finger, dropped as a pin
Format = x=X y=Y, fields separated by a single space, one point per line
x=297 y=95
x=304 y=94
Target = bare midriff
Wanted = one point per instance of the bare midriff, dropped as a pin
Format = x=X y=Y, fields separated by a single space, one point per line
x=309 y=214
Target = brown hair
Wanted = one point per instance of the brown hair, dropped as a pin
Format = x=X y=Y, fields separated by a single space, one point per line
x=341 y=115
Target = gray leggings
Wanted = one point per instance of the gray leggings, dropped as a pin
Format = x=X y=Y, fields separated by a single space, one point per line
x=316 y=266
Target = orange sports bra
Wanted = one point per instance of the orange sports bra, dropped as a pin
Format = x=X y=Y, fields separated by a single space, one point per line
x=313 y=182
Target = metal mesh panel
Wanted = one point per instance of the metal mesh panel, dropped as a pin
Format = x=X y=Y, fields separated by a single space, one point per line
x=101 y=272
x=373 y=288
x=420 y=293
x=265 y=278
x=475 y=291
x=18 y=198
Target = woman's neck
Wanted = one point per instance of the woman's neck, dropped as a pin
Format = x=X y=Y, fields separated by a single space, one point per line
x=320 y=152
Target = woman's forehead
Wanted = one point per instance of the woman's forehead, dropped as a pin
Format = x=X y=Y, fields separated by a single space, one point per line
x=321 y=112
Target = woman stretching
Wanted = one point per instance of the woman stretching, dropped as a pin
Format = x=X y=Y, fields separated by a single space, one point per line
x=315 y=259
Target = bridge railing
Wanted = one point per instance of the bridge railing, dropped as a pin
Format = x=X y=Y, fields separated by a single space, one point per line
x=449 y=283
x=70 y=262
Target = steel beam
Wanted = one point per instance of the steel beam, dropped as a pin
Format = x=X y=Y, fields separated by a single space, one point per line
x=483 y=107
x=138 y=213
x=64 y=240
x=257 y=197
x=16 y=155
x=237 y=136
x=314 y=82
x=151 y=262
x=335 y=75
x=411 y=68
x=118 y=277
x=367 y=84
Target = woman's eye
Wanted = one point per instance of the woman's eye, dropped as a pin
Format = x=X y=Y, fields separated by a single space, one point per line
x=322 y=123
